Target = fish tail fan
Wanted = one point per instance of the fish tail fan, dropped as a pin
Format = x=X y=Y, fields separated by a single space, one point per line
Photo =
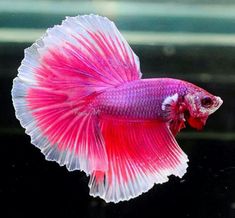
x=58 y=81
x=67 y=134
x=140 y=154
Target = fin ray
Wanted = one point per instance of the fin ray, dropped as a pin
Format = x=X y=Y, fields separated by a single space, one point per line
x=140 y=154
x=58 y=78
x=61 y=133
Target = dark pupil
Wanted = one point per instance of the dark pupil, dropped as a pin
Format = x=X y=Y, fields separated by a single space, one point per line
x=206 y=102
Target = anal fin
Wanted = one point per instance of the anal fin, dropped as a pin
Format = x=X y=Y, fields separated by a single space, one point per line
x=140 y=154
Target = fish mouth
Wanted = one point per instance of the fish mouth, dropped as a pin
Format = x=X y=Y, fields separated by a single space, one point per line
x=219 y=102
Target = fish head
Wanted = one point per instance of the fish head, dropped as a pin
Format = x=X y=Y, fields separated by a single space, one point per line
x=199 y=105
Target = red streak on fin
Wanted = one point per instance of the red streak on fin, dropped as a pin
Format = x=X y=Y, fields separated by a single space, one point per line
x=176 y=126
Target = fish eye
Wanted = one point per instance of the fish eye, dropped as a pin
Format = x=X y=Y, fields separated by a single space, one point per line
x=206 y=102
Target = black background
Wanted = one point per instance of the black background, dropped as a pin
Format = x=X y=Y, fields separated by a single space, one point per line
x=33 y=187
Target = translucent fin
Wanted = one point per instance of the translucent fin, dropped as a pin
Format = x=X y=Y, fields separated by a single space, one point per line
x=62 y=132
x=58 y=79
x=140 y=154
x=86 y=50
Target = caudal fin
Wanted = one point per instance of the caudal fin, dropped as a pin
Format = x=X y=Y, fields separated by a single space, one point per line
x=58 y=79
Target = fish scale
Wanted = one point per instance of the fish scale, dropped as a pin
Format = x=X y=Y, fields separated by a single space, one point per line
x=140 y=99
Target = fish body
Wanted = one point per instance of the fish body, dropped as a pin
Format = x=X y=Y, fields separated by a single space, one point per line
x=149 y=99
x=80 y=96
x=140 y=99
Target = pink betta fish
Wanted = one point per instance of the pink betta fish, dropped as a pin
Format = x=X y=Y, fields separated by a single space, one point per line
x=80 y=96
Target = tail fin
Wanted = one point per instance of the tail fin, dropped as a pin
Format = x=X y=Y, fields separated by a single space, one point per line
x=58 y=79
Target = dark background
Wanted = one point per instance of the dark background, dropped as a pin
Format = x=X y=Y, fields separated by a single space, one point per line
x=33 y=187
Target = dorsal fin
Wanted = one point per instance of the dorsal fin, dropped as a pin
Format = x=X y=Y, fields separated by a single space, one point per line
x=88 y=49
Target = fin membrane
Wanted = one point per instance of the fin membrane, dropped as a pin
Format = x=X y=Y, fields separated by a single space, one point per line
x=140 y=154
x=64 y=133
x=58 y=79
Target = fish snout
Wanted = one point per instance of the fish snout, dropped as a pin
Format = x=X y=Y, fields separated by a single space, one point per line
x=219 y=102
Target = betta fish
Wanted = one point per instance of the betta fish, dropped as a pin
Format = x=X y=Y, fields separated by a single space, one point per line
x=80 y=96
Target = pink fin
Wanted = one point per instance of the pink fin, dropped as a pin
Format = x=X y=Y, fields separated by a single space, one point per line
x=140 y=154
x=65 y=132
x=58 y=79
x=89 y=51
